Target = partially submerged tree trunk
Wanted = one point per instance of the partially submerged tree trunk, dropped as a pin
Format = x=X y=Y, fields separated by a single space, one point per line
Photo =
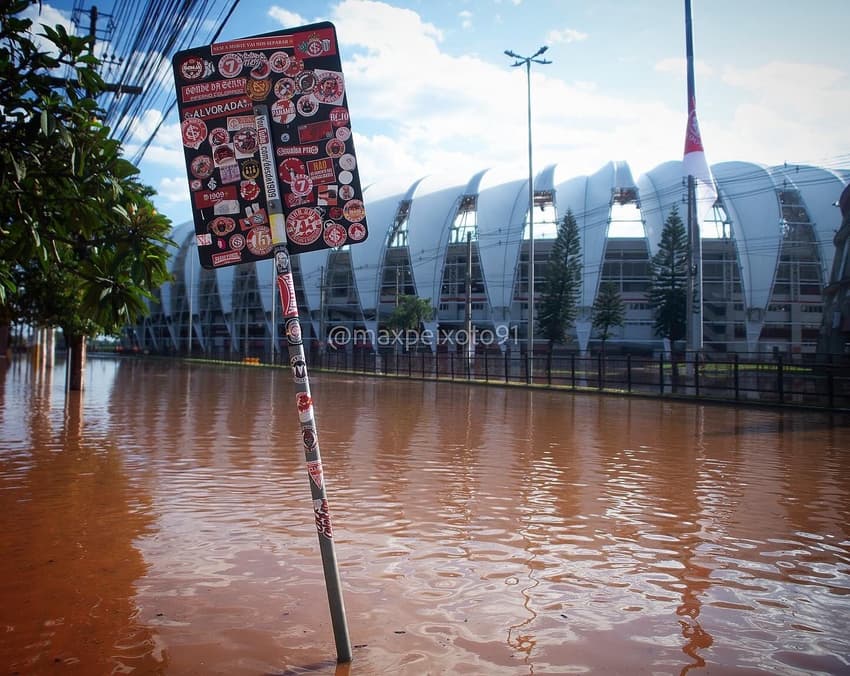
x=76 y=362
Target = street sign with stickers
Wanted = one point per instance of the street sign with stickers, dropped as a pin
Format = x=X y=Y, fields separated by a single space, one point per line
x=270 y=103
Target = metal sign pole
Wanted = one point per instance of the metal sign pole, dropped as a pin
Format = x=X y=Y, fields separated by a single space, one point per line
x=303 y=400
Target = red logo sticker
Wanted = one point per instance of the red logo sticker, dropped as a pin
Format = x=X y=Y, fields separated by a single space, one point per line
x=259 y=240
x=303 y=226
x=334 y=235
x=194 y=132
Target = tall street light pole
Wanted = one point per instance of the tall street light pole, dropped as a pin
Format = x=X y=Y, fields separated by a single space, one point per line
x=519 y=61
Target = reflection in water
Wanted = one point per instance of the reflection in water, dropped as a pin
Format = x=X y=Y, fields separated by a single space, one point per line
x=479 y=530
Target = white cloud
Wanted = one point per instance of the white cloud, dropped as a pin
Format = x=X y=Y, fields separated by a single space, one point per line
x=565 y=35
x=465 y=19
x=418 y=110
x=286 y=18
x=173 y=189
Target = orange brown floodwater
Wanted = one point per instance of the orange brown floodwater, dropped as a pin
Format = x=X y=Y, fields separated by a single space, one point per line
x=162 y=523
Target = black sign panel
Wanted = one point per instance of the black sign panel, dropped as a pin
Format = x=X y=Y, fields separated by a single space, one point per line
x=266 y=129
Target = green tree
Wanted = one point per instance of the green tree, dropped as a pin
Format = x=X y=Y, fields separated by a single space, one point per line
x=667 y=295
x=410 y=313
x=608 y=311
x=81 y=245
x=562 y=283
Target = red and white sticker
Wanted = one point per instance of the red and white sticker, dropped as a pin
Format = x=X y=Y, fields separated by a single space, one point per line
x=286 y=289
x=314 y=469
x=283 y=111
x=304 y=404
x=301 y=185
x=230 y=65
x=354 y=211
x=339 y=116
x=222 y=225
x=356 y=231
x=329 y=87
x=259 y=240
x=202 y=166
x=290 y=168
x=303 y=226
x=194 y=132
x=195 y=68
x=249 y=190
x=279 y=62
x=237 y=242
x=334 y=235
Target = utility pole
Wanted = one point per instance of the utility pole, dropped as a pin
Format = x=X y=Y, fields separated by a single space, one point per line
x=526 y=60
x=470 y=345
x=113 y=87
x=322 y=288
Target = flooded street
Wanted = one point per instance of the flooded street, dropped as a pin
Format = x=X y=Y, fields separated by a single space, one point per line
x=161 y=522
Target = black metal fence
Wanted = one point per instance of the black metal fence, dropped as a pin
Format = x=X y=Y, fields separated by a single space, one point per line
x=806 y=381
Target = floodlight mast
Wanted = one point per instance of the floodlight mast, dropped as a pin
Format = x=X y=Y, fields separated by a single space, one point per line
x=527 y=61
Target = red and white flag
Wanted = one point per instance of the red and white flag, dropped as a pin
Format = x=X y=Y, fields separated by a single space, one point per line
x=694 y=164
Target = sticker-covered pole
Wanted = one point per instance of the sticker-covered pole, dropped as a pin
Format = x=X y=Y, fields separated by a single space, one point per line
x=303 y=400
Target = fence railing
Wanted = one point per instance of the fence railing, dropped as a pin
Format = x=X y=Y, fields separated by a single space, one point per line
x=820 y=383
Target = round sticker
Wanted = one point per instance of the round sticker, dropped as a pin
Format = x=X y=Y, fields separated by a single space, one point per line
x=347 y=162
x=343 y=133
x=222 y=225
x=245 y=141
x=250 y=169
x=329 y=87
x=346 y=177
x=193 y=68
x=237 y=242
x=194 y=132
x=249 y=190
x=261 y=70
x=279 y=62
x=356 y=231
x=346 y=192
x=354 y=211
x=301 y=185
x=230 y=65
x=284 y=88
x=306 y=80
x=334 y=235
x=219 y=135
x=295 y=66
x=258 y=90
x=202 y=166
x=195 y=185
x=290 y=168
x=335 y=147
x=259 y=240
x=307 y=106
x=283 y=111
x=303 y=226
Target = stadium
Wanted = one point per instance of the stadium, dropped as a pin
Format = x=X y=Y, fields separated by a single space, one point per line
x=767 y=253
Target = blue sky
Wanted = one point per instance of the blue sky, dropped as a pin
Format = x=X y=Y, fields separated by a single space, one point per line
x=430 y=90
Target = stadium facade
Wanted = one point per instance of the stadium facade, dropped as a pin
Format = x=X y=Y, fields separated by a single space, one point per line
x=767 y=252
